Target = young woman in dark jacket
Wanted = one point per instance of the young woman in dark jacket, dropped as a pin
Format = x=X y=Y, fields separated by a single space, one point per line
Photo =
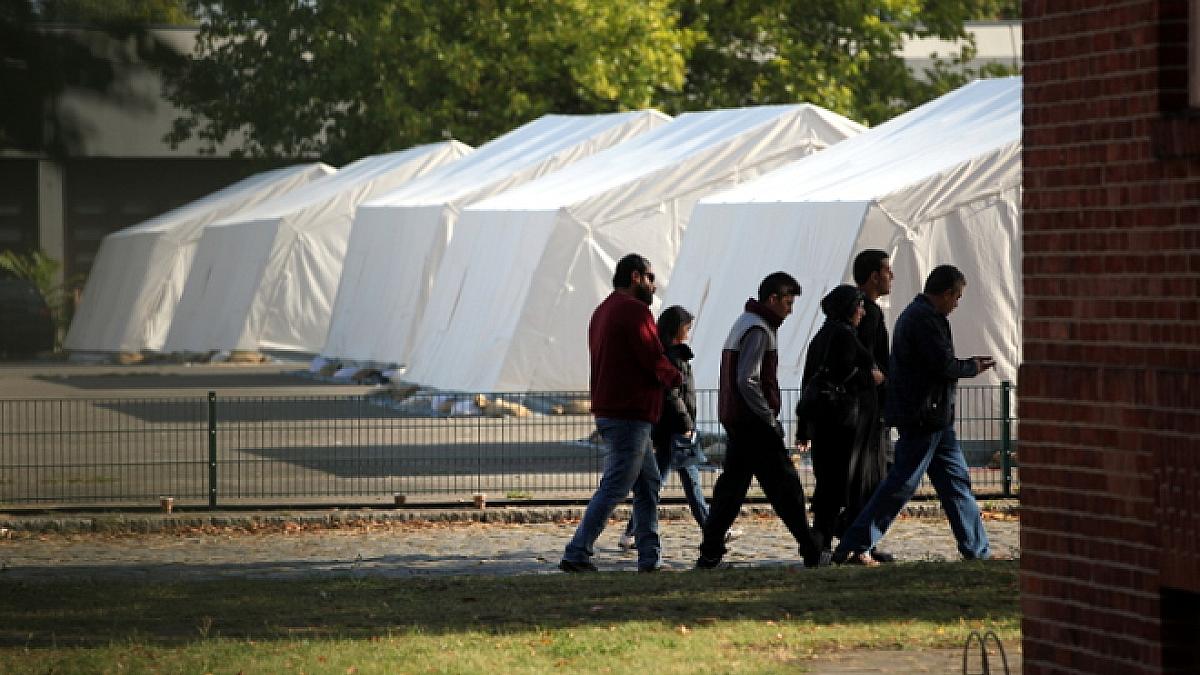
x=844 y=479
x=676 y=443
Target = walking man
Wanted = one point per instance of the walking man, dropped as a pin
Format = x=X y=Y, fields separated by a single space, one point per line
x=922 y=386
x=748 y=408
x=629 y=371
x=873 y=274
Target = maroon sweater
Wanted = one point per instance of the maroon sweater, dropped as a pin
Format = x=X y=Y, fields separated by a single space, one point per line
x=629 y=368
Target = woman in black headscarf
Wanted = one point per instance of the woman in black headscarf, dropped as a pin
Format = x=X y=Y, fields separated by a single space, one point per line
x=838 y=432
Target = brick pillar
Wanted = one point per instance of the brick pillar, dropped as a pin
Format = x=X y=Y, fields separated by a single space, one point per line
x=1110 y=385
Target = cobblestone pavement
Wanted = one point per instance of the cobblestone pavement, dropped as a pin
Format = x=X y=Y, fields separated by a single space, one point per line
x=405 y=549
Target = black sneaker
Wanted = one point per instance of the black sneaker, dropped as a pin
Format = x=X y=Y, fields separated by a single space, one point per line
x=571 y=566
x=649 y=569
x=706 y=563
x=823 y=559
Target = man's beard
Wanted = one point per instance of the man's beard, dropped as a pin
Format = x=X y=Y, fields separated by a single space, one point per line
x=642 y=293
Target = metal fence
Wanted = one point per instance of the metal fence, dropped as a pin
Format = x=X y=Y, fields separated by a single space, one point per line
x=366 y=450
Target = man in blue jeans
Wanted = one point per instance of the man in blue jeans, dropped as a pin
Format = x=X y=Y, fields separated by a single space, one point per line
x=629 y=371
x=922 y=386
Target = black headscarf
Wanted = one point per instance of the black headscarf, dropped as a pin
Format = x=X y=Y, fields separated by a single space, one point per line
x=841 y=303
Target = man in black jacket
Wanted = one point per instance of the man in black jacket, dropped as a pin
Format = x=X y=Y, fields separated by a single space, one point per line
x=922 y=386
x=873 y=274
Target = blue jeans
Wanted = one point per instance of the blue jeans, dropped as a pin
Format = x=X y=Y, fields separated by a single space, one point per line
x=689 y=478
x=918 y=452
x=629 y=464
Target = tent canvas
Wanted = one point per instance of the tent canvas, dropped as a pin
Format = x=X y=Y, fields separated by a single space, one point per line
x=266 y=278
x=400 y=237
x=139 y=272
x=939 y=184
x=532 y=263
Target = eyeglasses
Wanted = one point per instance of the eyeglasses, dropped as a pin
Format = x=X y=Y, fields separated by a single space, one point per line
x=649 y=276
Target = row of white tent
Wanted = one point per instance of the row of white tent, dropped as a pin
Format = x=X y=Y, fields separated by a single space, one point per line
x=478 y=269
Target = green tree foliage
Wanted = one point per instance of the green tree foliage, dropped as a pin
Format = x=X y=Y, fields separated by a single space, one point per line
x=995 y=9
x=114 y=12
x=346 y=79
x=843 y=55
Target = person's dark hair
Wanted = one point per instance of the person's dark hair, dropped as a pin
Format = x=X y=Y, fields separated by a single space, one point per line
x=670 y=321
x=780 y=283
x=623 y=275
x=841 y=302
x=942 y=279
x=867 y=263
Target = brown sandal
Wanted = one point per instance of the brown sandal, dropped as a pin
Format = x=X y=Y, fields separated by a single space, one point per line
x=862 y=558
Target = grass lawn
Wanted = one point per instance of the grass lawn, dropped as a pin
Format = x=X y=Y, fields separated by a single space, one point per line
x=761 y=620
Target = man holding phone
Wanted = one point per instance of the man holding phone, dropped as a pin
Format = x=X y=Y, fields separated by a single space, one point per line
x=922 y=387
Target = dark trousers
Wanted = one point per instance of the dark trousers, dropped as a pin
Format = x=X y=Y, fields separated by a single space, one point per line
x=848 y=464
x=754 y=450
x=832 y=446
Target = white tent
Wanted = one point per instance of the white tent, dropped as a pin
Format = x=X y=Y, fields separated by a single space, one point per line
x=138 y=275
x=511 y=302
x=266 y=278
x=399 y=238
x=939 y=184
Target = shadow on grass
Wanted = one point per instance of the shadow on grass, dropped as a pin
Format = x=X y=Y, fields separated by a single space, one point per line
x=38 y=614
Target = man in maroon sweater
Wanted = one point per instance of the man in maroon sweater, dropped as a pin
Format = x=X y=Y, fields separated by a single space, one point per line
x=628 y=374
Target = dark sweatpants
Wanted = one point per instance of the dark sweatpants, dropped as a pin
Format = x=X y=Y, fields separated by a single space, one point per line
x=754 y=450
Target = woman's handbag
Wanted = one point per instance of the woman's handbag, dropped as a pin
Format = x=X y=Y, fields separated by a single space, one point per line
x=825 y=401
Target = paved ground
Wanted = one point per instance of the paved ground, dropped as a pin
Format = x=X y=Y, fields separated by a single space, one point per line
x=58 y=379
x=290 y=548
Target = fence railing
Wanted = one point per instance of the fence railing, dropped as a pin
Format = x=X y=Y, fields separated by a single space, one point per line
x=233 y=451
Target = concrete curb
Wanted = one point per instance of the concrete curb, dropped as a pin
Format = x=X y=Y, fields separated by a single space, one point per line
x=123 y=523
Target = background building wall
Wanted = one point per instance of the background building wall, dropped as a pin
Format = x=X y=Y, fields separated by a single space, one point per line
x=1110 y=387
x=116 y=170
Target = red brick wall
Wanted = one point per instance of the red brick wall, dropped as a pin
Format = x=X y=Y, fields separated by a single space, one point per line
x=1110 y=386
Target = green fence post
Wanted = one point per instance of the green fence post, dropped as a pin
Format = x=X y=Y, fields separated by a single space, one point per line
x=212 y=450
x=1006 y=436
